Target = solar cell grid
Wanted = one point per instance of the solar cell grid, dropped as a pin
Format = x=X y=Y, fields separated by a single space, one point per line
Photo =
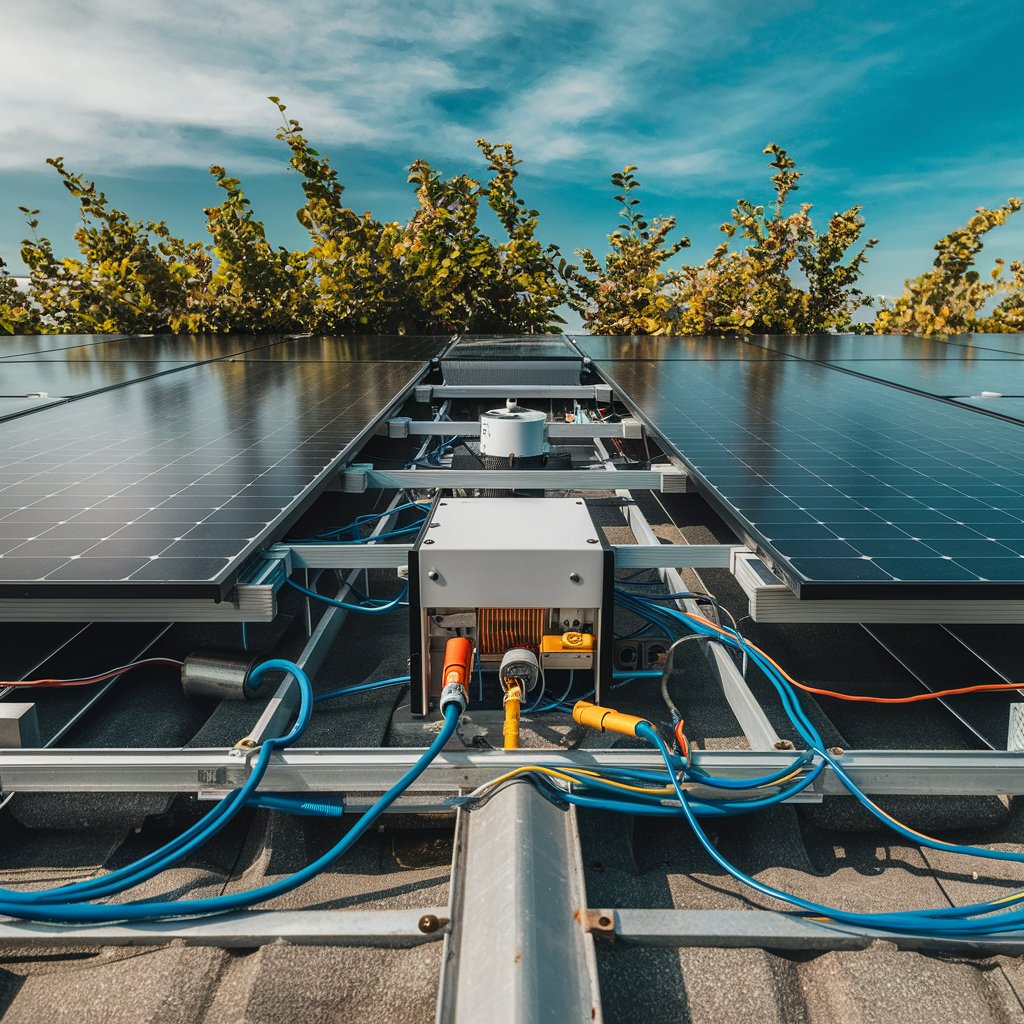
x=173 y=481
x=851 y=487
x=512 y=346
x=661 y=347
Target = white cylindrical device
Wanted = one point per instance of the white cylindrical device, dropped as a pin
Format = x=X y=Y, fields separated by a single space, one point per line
x=513 y=431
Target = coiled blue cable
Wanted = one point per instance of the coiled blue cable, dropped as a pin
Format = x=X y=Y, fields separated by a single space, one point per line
x=203 y=830
x=150 y=909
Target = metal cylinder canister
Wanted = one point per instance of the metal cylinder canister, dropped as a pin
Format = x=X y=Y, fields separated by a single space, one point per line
x=220 y=674
x=513 y=432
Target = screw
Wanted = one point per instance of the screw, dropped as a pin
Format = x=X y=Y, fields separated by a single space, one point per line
x=433 y=574
x=430 y=923
x=783 y=745
x=579 y=502
x=591 y=540
x=575 y=577
x=428 y=542
x=836 y=751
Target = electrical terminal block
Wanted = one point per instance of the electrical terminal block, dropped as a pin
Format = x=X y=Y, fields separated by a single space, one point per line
x=570 y=650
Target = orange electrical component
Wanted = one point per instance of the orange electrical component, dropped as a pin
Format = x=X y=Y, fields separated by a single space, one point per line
x=458 y=662
x=504 y=628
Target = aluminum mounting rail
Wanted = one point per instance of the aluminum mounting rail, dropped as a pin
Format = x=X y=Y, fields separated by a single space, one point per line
x=594 y=392
x=379 y=928
x=764 y=929
x=402 y=426
x=360 y=477
x=751 y=717
x=518 y=950
x=373 y=770
x=328 y=555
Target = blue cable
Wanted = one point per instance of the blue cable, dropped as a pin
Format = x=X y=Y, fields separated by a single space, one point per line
x=209 y=825
x=361 y=688
x=150 y=909
x=366 y=609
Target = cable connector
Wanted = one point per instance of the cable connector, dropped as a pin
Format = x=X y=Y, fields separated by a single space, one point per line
x=453 y=693
x=593 y=716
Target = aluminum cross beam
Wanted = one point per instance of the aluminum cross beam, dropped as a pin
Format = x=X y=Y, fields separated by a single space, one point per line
x=372 y=770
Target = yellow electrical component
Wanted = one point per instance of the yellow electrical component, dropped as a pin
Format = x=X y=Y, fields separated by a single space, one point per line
x=567 y=643
x=605 y=719
x=567 y=650
x=513 y=701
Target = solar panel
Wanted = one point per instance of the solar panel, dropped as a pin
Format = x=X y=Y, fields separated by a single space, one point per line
x=167 y=485
x=511 y=346
x=364 y=348
x=67 y=379
x=828 y=347
x=965 y=377
x=177 y=347
x=31 y=345
x=849 y=487
x=19 y=406
x=659 y=347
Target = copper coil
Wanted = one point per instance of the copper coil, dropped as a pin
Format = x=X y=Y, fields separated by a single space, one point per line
x=504 y=628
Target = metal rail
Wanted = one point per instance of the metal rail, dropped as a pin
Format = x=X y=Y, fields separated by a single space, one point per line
x=517 y=949
x=394 y=556
x=372 y=770
x=359 y=478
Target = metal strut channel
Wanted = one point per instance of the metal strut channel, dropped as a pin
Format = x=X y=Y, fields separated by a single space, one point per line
x=759 y=731
x=283 y=704
x=380 y=928
x=518 y=951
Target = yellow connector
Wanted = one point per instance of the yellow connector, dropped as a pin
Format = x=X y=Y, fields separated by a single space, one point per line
x=562 y=643
x=513 y=700
x=593 y=716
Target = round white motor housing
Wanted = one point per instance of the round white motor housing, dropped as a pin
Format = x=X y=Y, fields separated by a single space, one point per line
x=513 y=431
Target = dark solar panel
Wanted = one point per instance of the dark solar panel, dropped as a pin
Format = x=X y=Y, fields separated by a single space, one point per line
x=30 y=346
x=67 y=379
x=666 y=347
x=18 y=406
x=384 y=348
x=152 y=347
x=965 y=377
x=850 y=487
x=830 y=347
x=512 y=346
x=165 y=486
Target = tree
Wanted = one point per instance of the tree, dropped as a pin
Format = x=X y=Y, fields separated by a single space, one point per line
x=752 y=291
x=133 y=277
x=631 y=293
x=950 y=298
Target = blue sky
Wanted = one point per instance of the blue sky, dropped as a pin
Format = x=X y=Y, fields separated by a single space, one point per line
x=912 y=110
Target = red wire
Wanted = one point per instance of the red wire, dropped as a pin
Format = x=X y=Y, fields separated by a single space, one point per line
x=684 y=747
x=48 y=684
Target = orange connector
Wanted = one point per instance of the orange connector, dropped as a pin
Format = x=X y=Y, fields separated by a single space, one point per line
x=593 y=716
x=458 y=663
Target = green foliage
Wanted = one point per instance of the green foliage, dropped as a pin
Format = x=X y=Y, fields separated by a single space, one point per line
x=133 y=276
x=950 y=298
x=631 y=293
x=17 y=315
x=442 y=272
x=753 y=291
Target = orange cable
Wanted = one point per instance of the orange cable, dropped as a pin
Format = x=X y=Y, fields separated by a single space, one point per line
x=980 y=688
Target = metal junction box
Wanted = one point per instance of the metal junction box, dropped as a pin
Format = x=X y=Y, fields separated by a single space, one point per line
x=510 y=572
